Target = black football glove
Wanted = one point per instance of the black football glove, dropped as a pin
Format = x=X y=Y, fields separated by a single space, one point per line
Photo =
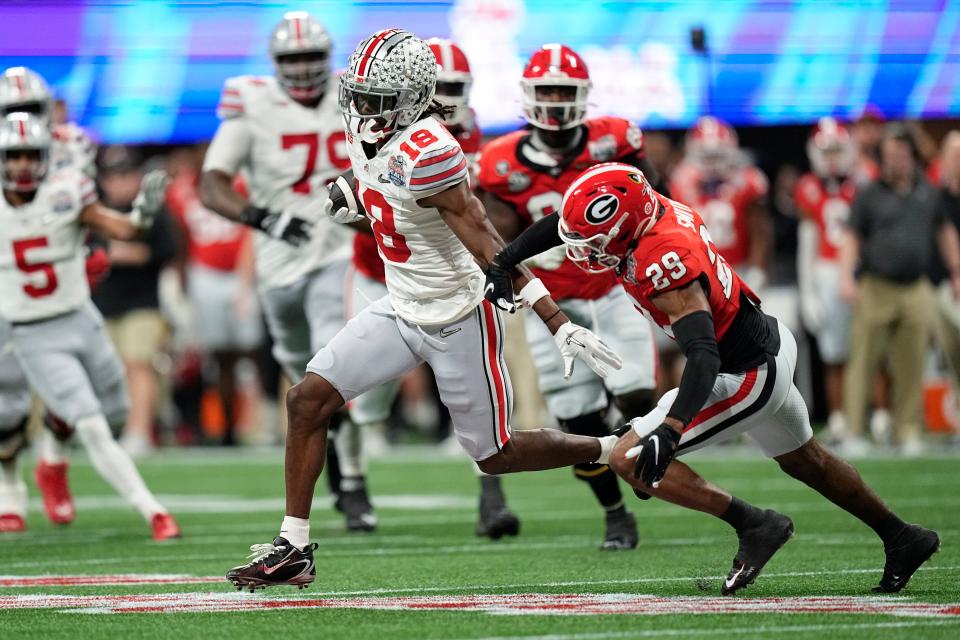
x=654 y=453
x=282 y=225
x=499 y=288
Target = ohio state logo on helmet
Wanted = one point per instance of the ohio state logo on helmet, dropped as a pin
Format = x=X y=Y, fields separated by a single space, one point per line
x=601 y=208
x=555 y=87
x=603 y=213
x=389 y=82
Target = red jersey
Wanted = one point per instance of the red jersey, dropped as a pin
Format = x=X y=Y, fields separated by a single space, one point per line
x=674 y=253
x=212 y=240
x=724 y=207
x=366 y=257
x=827 y=204
x=533 y=184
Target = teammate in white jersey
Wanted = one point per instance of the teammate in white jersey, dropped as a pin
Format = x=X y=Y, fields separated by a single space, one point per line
x=285 y=134
x=434 y=238
x=23 y=90
x=56 y=333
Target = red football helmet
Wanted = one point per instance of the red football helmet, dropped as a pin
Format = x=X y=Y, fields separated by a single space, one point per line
x=712 y=146
x=453 y=78
x=831 y=149
x=555 y=86
x=602 y=214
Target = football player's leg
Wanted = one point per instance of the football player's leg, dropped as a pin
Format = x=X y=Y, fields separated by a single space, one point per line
x=580 y=403
x=13 y=490
x=474 y=386
x=325 y=307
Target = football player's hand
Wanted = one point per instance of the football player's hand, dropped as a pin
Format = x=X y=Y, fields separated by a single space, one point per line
x=653 y=454
x=848 y=289
x=499 y=288
x=282 y=225
x=575 y=342
x=150 y=199
x=343 y=215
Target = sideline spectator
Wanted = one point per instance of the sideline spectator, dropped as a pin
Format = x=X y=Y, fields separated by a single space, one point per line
x=128 y=296
x=891 y=224
x=948 y=318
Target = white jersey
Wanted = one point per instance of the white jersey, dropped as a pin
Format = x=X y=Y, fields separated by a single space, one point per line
x=42 y=257
x=288 y=153
x=431 y=277
x=73 y=148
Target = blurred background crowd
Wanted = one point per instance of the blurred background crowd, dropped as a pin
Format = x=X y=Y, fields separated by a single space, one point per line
x=884 y=376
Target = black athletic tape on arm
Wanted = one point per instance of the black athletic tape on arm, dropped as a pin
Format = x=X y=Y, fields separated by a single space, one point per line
x=696 y=336
x=541 y=236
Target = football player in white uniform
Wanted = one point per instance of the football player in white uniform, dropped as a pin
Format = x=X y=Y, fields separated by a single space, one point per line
x=434 y=238
x=285 y=134
x=23 y=90
x=56 y=333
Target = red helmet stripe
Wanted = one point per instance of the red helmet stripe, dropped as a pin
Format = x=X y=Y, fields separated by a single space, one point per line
x=298 y=31
x=23 y=130
x=590 y=173
x=18 y=79
x=366 y=59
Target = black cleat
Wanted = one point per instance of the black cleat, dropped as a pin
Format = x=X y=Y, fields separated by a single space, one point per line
x=905 y=554
x=621 y=534
x=496 y=523
x=275 y=564
x=758 y=542
x=355 y=505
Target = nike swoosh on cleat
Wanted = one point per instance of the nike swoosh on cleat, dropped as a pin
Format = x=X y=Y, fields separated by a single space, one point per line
x=269 y=570
x=729 y=582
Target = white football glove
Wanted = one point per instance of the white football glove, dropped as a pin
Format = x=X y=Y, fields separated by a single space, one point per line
x=575 y=342
x=150 y=199
x=343 y=215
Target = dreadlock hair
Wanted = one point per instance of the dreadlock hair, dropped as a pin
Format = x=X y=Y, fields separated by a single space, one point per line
x=441 y=111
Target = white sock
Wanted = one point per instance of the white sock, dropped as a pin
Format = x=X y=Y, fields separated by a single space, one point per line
x=51 y=449
x=115 y=466
x=349 y=441
x=606 y=448
x=13 y=490
x=296 y=531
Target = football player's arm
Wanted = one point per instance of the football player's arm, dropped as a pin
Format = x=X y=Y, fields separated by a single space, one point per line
x=109 y=222
x=227 y=152
x=850 y=248
x=501 y=214
x=949 y=244
x=808 y=237
x=760 y=233
x=464 y=214
x=693 y=328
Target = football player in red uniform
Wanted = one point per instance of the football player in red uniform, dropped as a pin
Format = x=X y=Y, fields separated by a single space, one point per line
x=738 y=375
x=823 y=198
x=522 y=177
x=715 y=179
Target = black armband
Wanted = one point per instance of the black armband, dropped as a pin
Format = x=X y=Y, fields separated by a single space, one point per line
x=541 y=236
x=695 y=333
x=253 y=216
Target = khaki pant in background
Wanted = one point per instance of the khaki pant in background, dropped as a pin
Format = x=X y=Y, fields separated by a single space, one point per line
x=891 y=322
x=138 y=335
x=948 y=330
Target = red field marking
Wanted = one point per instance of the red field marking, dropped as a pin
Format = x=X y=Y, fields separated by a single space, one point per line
x=500 y=604
x=99 y=581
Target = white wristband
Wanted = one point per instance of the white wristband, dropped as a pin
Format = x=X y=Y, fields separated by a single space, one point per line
x=533 y=291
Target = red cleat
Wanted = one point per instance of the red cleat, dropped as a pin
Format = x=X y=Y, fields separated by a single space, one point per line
x=11 y=523
x=57 y=501
x=164 y=527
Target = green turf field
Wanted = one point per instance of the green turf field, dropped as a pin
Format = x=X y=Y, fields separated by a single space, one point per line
x=419 y=576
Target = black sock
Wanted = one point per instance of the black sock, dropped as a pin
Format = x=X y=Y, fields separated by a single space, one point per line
x=889 y=528
x=603 y=483
x=491 y=493
x=738 y=513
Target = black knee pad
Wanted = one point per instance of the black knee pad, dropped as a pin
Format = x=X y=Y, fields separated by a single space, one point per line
x=591 y=424
x=636 y=403
x=13 y=440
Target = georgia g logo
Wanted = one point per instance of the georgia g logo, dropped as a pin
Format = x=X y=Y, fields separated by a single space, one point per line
x=602 y=208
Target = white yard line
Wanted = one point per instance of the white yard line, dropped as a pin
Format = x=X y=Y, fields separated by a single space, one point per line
x=742 y=631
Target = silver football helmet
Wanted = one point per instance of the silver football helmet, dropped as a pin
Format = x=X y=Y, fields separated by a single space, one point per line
x=300 y=48
x=25 y=90
x=389 y=83
x=24 y=132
